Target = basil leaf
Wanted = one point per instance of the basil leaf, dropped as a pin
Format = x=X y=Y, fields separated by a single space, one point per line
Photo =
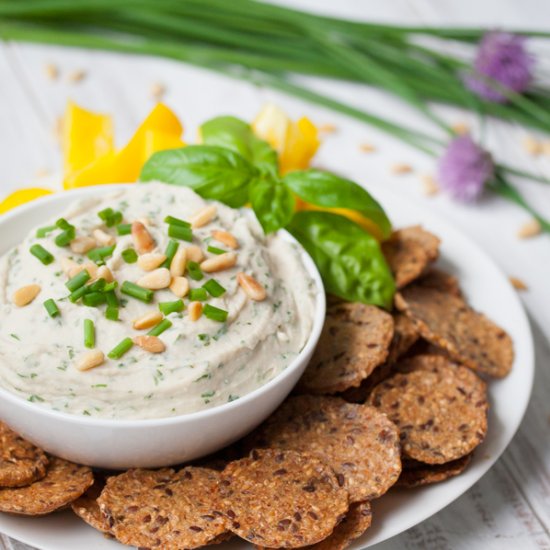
x=273 y=203
x=331 y=191
x=237 y=135
x=349 y=259
x=213 y=172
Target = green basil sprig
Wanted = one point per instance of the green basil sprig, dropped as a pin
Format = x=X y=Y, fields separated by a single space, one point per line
x=235 y=167
x=349 y=259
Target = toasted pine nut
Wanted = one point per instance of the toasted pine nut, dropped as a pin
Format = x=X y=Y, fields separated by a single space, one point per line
x=429 y=185
x=460 y=127
x=517 y=283
x=179 y=286
x=152 y=344
x=532 y=146
x=90 y=360
x=367 y=147
x=150 y=261
x=81 y=245
x=530 y=229
x=219 y=263
x=204 y=216
x=142 y=238
x=194 y=253
x=328 y=128
x=195 y=311
x=401 y=168
x=157 y=91
x=90 y=267
x=105 y=273
x=156 y=280
x=25 y=295
x=546 y=148
x=251 y=287
x=52 y=71
x=147 y=222
x=102 y=238
x=148 y=320
x=226 y=238
x=67 y=265
x=177 y=267
x=76 y=76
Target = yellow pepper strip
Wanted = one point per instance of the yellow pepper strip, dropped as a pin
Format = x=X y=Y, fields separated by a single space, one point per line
x=22 y=196
x=86 y=136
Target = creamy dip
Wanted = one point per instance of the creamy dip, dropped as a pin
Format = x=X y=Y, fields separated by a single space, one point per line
x=205 y=363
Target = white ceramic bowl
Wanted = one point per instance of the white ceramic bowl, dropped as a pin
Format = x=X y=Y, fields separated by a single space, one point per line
x=142 y=443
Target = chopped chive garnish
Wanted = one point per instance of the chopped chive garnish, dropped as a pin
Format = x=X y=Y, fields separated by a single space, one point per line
x=64 y=238
x=170 y=252
x=43 y=231
x=215 y=313
x=195 y=271
x=129 y=256
x=198 y=295
x=51 y=308
x=110 y=217
x=136 y=291
x=89 y=333
x=171 y=307
x=38 y=251
x=111 y=313
x=77 y=294
x=111 y=298
x=98 y=255
x=215 y=250
x=214 y=288
x=98 y=286
x=62 y=223
x=124 y=229
x=120 y=349
x=157 y=330
x=110 y=286
x=170 y=220
x=93 y=299
x=80 y=279
x=180 y=232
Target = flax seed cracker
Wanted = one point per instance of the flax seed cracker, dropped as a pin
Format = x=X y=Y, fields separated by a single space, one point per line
x=87 y=508
x=417 y=474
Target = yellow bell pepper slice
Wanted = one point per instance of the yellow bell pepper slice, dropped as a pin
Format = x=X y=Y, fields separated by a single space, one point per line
x=22 y=196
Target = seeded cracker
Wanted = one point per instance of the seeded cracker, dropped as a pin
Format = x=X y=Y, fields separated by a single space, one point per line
x=356 y=522
x=409 y=252
x=354 y=341
x=440 y=280
x=163 y=509
x=64 y=483
x=360 y=443
x=21 y=463
x=87 y=508
x=282 y=499
x=441 y=412
x=468 y=337
x=417 y=474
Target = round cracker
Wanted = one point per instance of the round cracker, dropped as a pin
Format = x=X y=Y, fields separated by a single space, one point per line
x=357 y=521
x=418 y=474
x=64 y=482
x=86 y=507
x=282 y=499
x=466 y=335
x=441 y=412
x=164 y=509
x=21 y=463
x=354 y=341
x=409 y=252
x=357 y=441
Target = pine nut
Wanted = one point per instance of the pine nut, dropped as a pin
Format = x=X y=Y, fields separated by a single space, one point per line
x=81 y=245
x=251 y=287
x=328 y=128
x=67 y=265
x=367 y=148
x=518 y=284
x=76 y=76
x=148 y=320
x=90 y=360
x=150 y=261
x=52 y=71
x=90 y=267
x=461 y=128
x=194 y=253
x=429 y=185
x=152 y=344
x=532 y=146
x=105 y=273
x=179 y=286
x=142 y=238
x=530 y=229
x=204 y=216
x=401 y=168
x=177 y=267
x=102 y=238
x=156 y=280
x=219 y=263
x=157 y=91
x=225 y=238
x=25 y=295
x=195 y=311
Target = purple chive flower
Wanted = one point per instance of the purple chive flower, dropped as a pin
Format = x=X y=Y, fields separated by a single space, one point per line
x=503 y=58
x=464 y=169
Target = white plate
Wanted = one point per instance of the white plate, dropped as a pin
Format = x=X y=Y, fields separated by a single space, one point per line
x=489 y=291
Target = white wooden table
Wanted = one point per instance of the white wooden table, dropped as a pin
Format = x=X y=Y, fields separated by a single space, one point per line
x=509 y=508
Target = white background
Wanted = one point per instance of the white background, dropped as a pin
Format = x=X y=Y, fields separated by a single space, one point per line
x=510 y=507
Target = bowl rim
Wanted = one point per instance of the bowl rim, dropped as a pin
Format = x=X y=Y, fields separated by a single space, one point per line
x=313 y=338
